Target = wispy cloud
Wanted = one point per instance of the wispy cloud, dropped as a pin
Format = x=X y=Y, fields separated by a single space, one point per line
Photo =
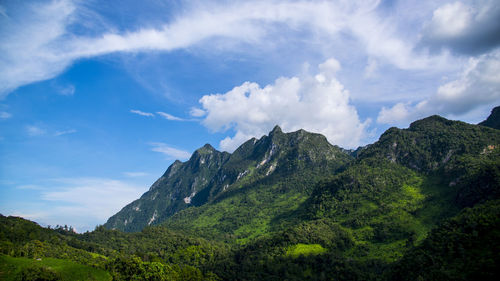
x=30 y=187
x=34 y=131
x=33 y=54
x=135 y=174
x=162 y=114
x=5 y=115
x=170 y=152
x=67 y=90
x=31 y=36
x=3 y=12
x=142 y=113
x=169 y=116
x=66 y=132
x=197 y=112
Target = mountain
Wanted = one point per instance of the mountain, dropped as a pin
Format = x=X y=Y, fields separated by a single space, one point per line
x=408 y=182
x=365 y=215
x=421 y=203
x=210 y=175
x=493 y=121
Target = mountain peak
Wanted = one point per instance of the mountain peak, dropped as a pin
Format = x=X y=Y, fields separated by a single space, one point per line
x=493 y=121
x=276 y=130
x=430 y=122
x=206 y=149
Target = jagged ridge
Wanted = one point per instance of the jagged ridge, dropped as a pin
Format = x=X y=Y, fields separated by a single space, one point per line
x=210 y=173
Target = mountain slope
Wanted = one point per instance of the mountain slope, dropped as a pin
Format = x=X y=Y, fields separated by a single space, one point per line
x=171 y=192
x=462 y=156
x=406 y=183
x=465 y=247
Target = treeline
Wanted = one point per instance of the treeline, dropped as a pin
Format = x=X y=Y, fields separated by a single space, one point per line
x=465 y=247
x=153 y=254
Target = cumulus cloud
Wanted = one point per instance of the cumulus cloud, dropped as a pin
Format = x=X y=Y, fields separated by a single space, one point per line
x=470 y=28
x=317 y=103
x=169 y=116
x=37 y=44
x=170 y=152
x=478 y=85
x=142 y=113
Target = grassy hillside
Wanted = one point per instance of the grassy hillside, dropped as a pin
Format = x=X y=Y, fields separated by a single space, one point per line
x=52 y=269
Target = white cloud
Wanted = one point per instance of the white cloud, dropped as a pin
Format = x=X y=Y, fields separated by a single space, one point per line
x=142 y=113
x=5 y=115
x=169 y=116
x=37 y=45
x=469 y=28
x=30 y=43
x=34 y=131
x=451 y=19
x=477 y=86
x=83 y=200
x=315 y=103
x=170 y=152
x=162 y=114
x=398 y=114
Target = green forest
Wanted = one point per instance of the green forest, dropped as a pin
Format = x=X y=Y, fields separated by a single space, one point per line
x=421 y=203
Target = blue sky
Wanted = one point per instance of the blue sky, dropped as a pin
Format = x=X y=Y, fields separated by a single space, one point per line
x=98 y=98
